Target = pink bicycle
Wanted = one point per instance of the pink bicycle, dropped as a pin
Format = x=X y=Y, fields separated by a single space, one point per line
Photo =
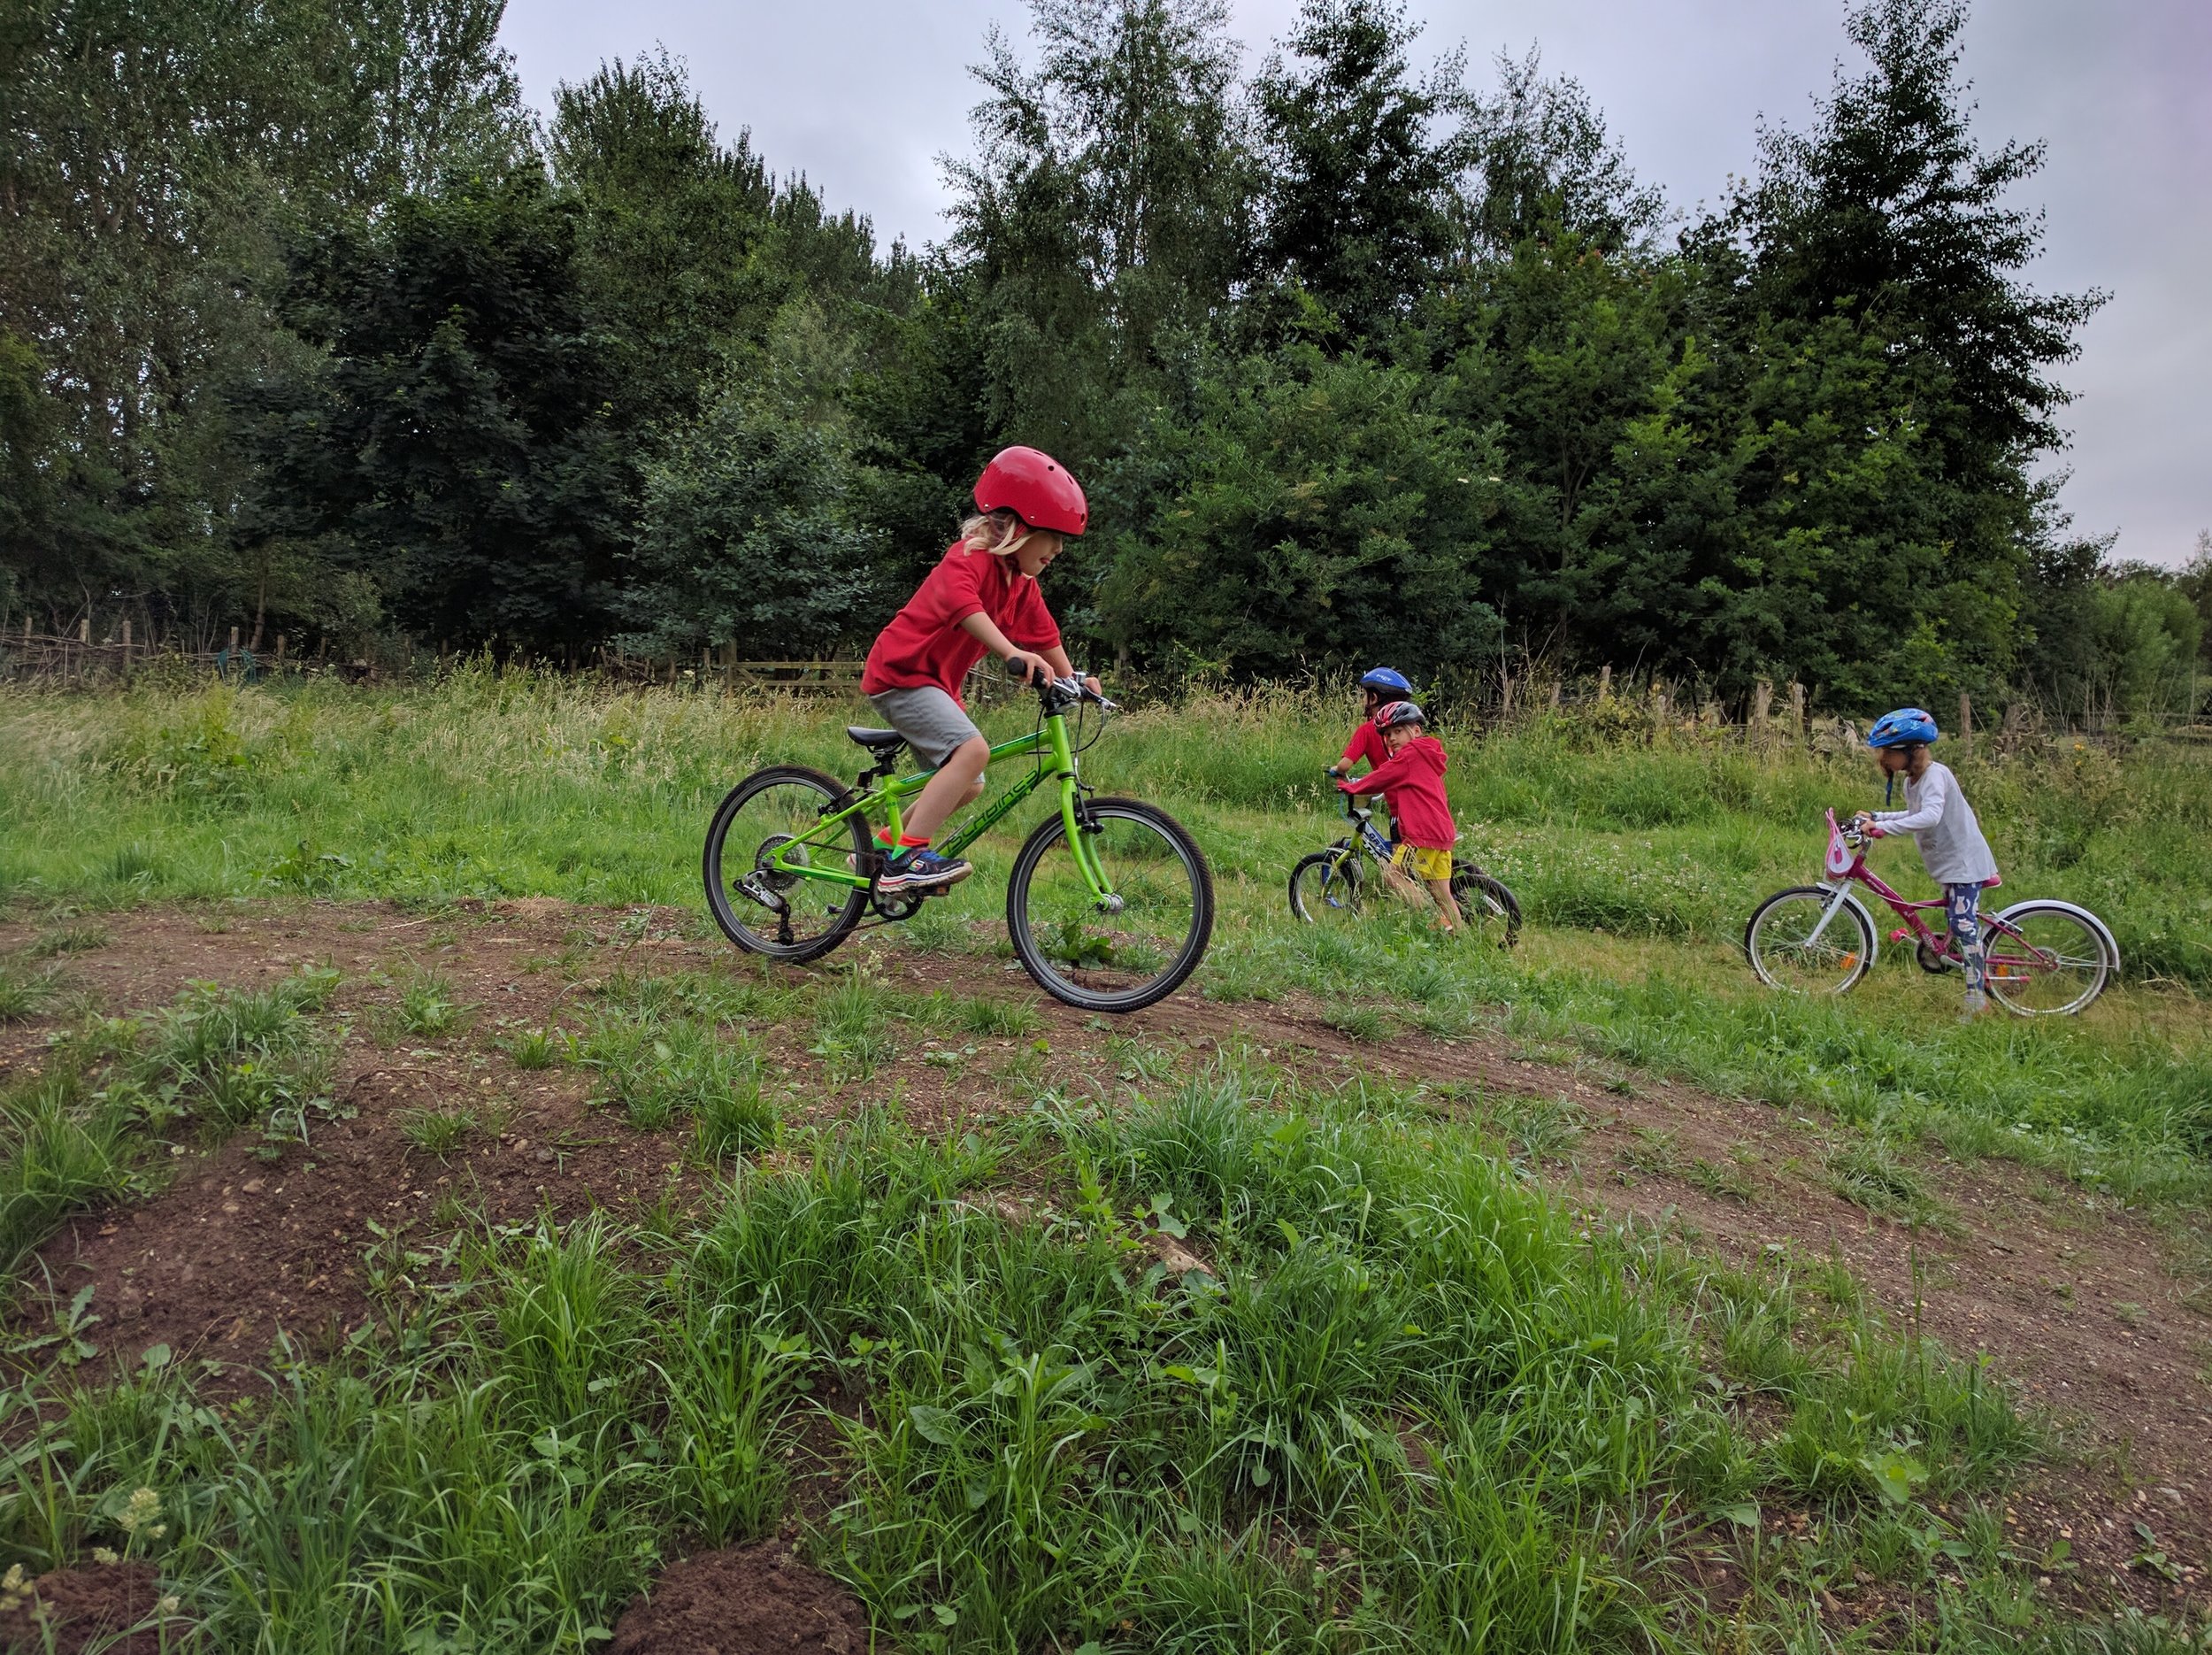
x=2046 y=959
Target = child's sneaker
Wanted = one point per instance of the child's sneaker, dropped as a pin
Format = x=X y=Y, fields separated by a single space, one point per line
x=1977 y=1002
x=921 y=869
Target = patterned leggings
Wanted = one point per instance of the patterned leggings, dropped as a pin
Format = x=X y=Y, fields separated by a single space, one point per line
x=1962 y=905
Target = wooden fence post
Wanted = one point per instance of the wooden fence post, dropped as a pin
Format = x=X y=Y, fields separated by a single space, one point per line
x=279 y=654
x=1605 y=685
x=1797 y=710
x=84 y=630
x=1966 y=724
x=1761 y=701
x=127 y=640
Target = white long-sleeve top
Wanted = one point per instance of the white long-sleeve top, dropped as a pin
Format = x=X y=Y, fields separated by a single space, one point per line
x=1942 y=824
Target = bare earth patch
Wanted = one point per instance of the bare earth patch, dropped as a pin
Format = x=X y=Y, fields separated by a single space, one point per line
x=743 y=1600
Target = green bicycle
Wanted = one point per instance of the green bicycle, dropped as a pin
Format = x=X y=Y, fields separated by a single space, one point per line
x=1109 y=906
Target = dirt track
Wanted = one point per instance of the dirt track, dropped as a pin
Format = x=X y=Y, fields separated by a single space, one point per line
x=2069 y=1295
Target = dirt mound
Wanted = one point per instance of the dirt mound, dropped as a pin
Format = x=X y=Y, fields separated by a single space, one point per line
x=744 y=1600
x=85 y=1607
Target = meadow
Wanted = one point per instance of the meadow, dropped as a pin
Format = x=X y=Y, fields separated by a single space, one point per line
x=1383 y=1391
x=1637 y=866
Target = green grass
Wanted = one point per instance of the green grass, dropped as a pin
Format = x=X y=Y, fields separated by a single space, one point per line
x=1405 y=1404
x=438 y=1131
x=76 y=1132
x=1406 y=1398
x=1637 y=865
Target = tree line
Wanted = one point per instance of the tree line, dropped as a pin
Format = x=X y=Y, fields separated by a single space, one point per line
x=307 y=324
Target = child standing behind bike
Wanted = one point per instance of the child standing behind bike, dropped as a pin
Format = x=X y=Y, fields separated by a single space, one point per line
x=982 y=596
x=1411 y=779
x=1381 y=686
x=1942 y=824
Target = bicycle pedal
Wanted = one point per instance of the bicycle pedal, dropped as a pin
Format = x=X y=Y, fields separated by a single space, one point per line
x=1900 y=934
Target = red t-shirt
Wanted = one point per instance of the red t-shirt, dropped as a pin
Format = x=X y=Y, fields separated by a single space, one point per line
x=1366 y=743
x=925 y=642
x=1412 y=781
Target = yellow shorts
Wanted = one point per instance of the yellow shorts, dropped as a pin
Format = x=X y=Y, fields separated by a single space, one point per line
x=1422 y=862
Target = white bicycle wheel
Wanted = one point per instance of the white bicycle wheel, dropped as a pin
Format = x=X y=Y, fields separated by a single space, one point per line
x=1790 y=949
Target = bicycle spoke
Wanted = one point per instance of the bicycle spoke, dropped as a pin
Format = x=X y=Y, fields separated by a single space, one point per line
x=1791 y=947
x=765 y=840
x=2046 y=962
x=1139 y=944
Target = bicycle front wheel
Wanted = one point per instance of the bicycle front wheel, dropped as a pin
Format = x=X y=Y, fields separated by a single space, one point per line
x=1123 y=954
x=1490 y=912
x=1328 y=886
x=2046 y=959
x=768 y=829
x=1782 y=949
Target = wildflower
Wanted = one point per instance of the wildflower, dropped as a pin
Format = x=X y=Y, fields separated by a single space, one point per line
x=140 y=1510
x=169 y=1606
x=101 y=1554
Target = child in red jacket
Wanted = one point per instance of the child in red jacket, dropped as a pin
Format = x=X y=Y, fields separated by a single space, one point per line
x=1412 y=780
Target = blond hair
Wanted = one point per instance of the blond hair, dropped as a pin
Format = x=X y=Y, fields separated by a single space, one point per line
x=1001 y=533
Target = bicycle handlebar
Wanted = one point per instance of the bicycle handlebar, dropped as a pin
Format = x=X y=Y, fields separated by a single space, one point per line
x=1065 y=689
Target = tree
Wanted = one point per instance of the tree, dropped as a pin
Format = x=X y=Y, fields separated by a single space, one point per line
x=1888 y=211
x=154 y=154
x=671 y=221
x=1360 y=177
x=1312 y=511
x=1102 y=212
x=754 y=537
x=1542 y=164
x=466 y=446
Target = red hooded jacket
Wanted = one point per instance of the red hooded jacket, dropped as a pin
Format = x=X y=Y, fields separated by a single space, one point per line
x=1411 y=780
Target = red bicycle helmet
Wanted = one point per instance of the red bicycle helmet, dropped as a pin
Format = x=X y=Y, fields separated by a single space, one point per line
x=1035 y=487
x=1392 y=713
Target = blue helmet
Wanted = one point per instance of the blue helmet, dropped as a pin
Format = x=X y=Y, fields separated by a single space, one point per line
x=1902 y=729
x=1387 y=680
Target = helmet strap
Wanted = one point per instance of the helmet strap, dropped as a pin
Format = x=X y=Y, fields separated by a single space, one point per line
x=1889 y=787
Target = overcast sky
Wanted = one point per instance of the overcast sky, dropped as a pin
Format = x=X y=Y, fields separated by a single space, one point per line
x=862 y=96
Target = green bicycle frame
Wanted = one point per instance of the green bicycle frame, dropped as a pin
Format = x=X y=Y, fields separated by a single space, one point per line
x=1056 y=764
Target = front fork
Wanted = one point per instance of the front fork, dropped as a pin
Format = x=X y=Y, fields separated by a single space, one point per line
x=1835 y=906
x=1074 y=822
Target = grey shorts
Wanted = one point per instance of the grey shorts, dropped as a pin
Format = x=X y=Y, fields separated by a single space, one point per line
x=930 y=720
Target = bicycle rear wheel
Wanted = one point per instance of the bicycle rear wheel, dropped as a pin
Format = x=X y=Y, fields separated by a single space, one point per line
x=1780 y=945
x=2046 y=959
x=1492 y=913
x=1141 y=950
x=1329 y=886
x=765 y=907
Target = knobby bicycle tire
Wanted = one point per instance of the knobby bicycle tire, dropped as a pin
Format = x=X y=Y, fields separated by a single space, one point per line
x=1030 y=949
x=738 y=924
x=1326 y=874
x=1501 y=901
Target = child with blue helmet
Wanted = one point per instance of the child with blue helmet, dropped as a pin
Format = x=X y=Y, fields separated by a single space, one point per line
x=1381 y=686
x=1943 y=825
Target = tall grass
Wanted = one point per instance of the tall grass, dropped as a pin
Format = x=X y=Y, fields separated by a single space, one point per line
x=1405 y=1404
x=493 y=784
x=1637 y=865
